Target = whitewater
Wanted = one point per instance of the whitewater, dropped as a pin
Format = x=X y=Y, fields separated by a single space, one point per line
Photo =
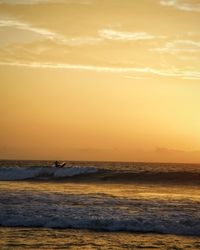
x=23 y=173
x=104 y=197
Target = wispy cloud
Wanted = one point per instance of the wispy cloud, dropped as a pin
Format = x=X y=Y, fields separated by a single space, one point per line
x=180 y=5
x=101 y=36
x=124 y=36
x=47 y=34
x=77 y=41
x=103 y=69
x=25 y=26
x=134 y=77
x=177 y=46
x=33 y=2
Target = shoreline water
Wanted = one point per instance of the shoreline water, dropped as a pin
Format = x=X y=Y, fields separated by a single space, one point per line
x=13 y=238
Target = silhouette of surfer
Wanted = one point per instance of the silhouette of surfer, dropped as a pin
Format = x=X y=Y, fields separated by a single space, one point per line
x=59 y=165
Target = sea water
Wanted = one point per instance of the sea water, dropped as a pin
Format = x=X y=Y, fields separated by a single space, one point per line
x=99 y=205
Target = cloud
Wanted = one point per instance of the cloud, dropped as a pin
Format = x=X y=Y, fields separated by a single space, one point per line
x=102 y=35
x=47 y=34
x=180 y=5
x=134 y=77
x=104 y=69
x=25 y=26
x=124 y=36
x=160 y=150
x=177 y=46
x=176 y=154
x=77 y=41
x=34 y=2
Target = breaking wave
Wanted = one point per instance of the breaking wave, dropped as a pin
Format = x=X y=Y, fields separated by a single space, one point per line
x=106 y=224
x=100 y=212
x=23 y=173
x=87 y=204
x=95 y=174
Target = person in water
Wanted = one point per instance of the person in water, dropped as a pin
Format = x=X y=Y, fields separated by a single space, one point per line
x=56 y=164
x=59 y=165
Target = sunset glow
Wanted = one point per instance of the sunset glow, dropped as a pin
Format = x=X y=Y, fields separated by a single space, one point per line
x=115 y=80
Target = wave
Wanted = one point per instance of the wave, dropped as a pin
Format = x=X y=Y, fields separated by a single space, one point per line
x=79 y=208
x=23 y=173
x=101 y=174
x=115 y=215
x=189 y=178
x=109 y=224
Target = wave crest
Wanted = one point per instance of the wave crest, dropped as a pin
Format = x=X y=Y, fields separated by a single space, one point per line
x=22 y=173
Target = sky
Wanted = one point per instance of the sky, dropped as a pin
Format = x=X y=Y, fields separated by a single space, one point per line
x=107 y=80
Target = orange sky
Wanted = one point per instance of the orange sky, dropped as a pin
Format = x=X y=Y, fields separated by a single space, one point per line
x=111 y=80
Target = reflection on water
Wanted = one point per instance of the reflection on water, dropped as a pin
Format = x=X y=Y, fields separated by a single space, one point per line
x=119 y=190
x=25 y=238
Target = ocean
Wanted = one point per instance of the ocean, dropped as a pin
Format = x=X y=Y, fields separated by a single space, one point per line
x=99 y=205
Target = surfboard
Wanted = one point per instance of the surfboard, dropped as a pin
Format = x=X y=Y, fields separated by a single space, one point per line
x=62 y=165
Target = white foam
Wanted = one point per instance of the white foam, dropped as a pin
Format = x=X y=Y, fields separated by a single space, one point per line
x=71 y=171
x=22 y=173
x=98 y=212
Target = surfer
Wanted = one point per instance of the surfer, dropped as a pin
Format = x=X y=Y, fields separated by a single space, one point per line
x=59 y=165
